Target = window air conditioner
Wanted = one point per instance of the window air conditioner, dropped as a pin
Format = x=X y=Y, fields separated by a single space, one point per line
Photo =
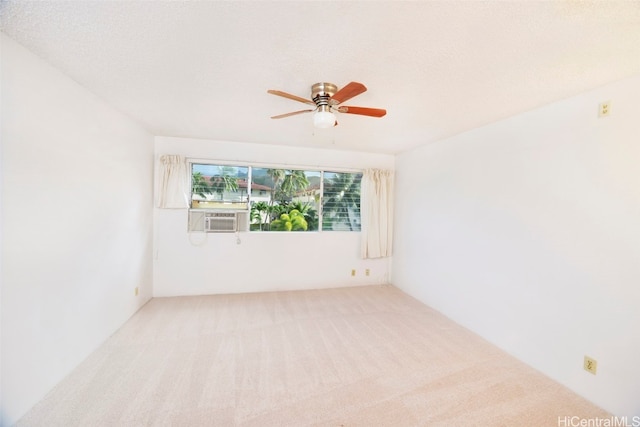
x=220 y=222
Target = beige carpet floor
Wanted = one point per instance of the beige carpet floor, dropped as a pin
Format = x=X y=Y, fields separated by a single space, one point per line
x=362 y=356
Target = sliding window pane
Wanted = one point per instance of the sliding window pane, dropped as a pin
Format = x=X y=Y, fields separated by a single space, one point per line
x=218 y=186
x=288 y=200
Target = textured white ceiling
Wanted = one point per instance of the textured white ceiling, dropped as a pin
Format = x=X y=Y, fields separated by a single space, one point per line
x=202 y=69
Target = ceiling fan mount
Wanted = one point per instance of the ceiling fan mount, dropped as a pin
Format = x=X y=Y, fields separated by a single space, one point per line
x=326 y=97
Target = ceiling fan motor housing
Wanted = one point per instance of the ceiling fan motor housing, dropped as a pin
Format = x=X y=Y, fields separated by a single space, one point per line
x=321 y=93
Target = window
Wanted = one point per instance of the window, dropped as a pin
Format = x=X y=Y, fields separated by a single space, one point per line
x=219 y=186
x=341 y=201
x=291 y=203
x=280 y=199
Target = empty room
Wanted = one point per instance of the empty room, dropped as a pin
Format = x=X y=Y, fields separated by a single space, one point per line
x=320 y=213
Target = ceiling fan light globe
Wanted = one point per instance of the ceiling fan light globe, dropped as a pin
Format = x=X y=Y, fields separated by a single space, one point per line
x=324 y=119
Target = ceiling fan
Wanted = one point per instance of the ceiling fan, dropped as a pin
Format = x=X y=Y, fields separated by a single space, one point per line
x=326 y=98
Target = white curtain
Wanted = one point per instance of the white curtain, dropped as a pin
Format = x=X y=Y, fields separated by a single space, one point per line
x=173 y=183
x=376 y=211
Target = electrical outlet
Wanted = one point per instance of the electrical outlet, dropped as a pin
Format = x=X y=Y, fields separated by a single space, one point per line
x=604 y=109
x=136 y=291
x=353 y=272
x=367 y=272
x=590 y=365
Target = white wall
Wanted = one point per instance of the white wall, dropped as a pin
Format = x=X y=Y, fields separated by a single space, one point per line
x=527 y=231
x=77 y=238
x=215 y=263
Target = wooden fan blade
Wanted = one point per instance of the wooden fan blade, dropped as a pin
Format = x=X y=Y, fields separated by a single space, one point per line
x=348 y=92
x=282 y=116
x=363 y=111
x=289 y=96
